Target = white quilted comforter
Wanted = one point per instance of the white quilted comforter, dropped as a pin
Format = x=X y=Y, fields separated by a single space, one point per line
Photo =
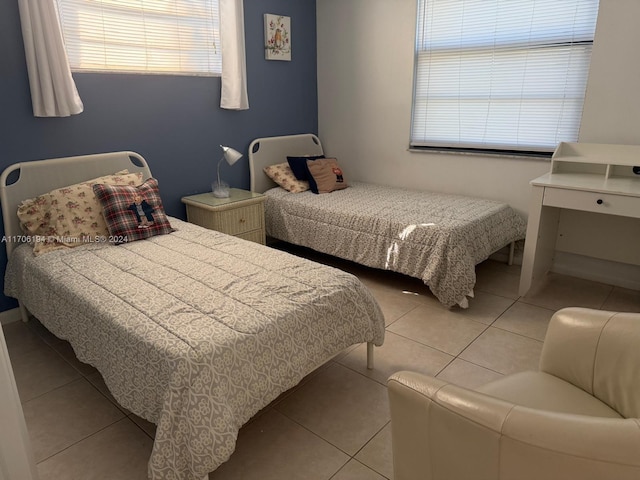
x=436 y=237
x=195 y=331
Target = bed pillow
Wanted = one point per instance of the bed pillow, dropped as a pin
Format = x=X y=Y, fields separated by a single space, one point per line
x=281 y=174
x=299 y=165
x=132 y=213
x=326 y=176
x=69 y=216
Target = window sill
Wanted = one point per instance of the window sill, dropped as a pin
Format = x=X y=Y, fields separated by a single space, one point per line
x=543 y=156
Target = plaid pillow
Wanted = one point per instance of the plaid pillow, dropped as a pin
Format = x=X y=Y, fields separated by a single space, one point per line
x=132 y=213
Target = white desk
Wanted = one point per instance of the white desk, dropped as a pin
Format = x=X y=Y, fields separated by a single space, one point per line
x=589 y=177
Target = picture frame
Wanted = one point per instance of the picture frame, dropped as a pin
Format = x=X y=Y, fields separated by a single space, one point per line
x=277 y=37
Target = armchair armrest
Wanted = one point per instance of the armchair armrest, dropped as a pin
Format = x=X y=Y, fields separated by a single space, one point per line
x=441 y=431
x=541 y=444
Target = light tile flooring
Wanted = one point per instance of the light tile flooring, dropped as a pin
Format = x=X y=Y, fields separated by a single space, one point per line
x=335 y=423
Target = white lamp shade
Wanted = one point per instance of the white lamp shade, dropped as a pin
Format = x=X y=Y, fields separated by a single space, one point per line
x=230 y=155
x=220 y=188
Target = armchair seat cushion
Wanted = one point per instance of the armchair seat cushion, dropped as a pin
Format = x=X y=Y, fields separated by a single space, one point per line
x=542 y=391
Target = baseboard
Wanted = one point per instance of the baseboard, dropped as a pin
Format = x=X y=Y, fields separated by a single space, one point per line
x=604 y=271
x=10 y=316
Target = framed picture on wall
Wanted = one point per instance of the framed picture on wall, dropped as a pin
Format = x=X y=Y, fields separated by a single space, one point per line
x=277 y=37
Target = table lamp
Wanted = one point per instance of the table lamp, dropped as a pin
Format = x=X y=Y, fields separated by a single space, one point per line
x=220 y=188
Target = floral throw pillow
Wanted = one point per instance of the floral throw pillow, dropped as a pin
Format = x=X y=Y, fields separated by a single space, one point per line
x=132 y=213
x=281 y=174
x=69 y=216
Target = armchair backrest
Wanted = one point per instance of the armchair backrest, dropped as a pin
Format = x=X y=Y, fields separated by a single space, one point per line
x=599 y=352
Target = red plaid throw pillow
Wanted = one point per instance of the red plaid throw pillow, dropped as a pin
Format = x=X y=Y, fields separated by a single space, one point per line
x=132 y=213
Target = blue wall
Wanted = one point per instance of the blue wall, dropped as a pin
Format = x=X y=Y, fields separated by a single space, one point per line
x=175 y=122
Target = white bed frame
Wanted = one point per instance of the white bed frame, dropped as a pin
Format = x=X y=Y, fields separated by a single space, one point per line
x=272 y=150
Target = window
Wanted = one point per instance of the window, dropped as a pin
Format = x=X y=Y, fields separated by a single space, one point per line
x=142 y=36
x=501 y=74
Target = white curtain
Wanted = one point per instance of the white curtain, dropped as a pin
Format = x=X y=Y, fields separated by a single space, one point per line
x=53 y=91
x=234 y=70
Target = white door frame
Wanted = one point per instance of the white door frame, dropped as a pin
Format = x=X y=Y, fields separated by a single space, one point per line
x=16 y=456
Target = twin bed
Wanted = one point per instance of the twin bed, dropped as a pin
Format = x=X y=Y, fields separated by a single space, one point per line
x=196 y=331
x=436 y=237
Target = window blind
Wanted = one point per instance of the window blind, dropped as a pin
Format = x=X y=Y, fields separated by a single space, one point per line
x=142 y=36
x=501 y=74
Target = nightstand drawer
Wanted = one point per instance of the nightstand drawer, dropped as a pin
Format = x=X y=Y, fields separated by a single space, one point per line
x=240 y=220
x=231 y=221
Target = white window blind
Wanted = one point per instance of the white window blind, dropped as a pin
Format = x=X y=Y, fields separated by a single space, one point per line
x=501 y=74
x=142 y=36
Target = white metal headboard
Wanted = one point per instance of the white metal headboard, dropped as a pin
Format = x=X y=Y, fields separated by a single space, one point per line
x=41 y=176
x=272 y=150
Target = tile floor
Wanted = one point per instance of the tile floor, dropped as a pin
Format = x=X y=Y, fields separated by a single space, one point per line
x=335 y=424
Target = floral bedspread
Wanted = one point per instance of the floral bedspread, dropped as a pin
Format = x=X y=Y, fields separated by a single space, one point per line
x=436 y=237
x=195 y=331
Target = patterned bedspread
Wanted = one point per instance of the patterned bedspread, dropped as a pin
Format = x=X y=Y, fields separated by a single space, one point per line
x=436 y=237
x=195 y=331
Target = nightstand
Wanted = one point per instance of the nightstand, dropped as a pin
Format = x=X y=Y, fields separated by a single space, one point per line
x=241 y=215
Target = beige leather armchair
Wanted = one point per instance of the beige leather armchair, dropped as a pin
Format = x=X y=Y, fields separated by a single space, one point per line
x=576 y=418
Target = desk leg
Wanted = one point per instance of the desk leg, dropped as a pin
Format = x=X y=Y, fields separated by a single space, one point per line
x=540 y=242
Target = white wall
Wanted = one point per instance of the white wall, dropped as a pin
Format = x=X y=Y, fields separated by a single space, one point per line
x=365 y=76
x=611 y=115
x=365 y=83
x=612 y=104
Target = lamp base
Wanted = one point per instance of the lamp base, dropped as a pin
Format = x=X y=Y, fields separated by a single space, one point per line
x=220 y=190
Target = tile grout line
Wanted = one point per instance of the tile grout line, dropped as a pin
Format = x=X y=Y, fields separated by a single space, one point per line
x=85 y=438
x=351 y=457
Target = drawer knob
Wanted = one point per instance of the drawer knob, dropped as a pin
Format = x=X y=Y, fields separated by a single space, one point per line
x=242 y=220
x=599 y=201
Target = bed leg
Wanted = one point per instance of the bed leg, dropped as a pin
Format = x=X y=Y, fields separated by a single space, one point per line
x=369 y=356
x=24 y=313
x=512 y=249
